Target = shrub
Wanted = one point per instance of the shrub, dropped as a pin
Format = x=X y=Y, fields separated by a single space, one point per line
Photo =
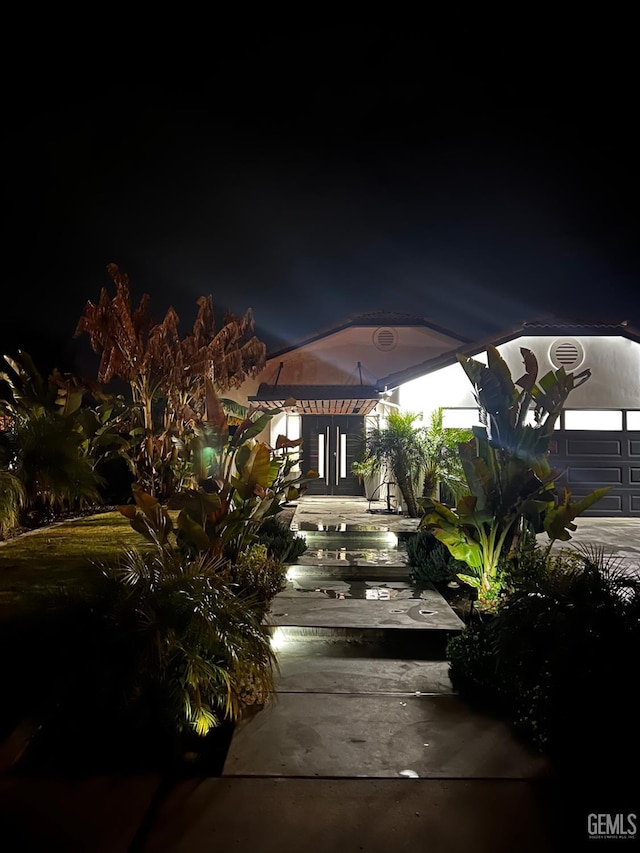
x=257 y=575
x=12 y=496
x=161 y=652
x=282 y=543
x=431 y=560
x=570 y=621
x=473 y=666
x=210 y=640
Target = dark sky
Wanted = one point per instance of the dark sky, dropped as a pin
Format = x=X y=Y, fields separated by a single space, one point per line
x=480 y=182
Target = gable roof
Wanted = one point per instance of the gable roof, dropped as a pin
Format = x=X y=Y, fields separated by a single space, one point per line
x=541 y=327
x=371 y=319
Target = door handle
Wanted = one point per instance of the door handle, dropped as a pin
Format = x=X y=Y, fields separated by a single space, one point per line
x=327 y=451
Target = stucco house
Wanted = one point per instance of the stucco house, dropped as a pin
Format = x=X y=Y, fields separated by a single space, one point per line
x=349 y=376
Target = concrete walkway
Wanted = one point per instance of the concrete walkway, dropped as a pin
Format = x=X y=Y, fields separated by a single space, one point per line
x=365 y=746
x=331 y=720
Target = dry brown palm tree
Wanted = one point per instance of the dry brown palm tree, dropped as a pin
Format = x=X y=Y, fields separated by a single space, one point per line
x=132 y=349
x=158 y=364
x=226 y=356
x=127 y=340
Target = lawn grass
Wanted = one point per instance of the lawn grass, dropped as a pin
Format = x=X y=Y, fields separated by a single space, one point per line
x=67 y=553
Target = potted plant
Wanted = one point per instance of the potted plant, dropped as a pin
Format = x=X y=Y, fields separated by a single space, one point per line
x=399 y=448
x=444 y=477
x=366 y=472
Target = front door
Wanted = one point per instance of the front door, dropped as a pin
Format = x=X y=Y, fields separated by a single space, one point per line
x=330 y=444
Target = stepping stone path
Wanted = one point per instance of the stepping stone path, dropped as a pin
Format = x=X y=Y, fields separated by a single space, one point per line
x=365 y=746
x=363 y=688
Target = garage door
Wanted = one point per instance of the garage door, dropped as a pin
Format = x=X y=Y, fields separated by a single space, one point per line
x=592 y=458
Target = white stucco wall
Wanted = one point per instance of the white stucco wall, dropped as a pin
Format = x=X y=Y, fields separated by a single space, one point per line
x=333 y=359
x=614 y=362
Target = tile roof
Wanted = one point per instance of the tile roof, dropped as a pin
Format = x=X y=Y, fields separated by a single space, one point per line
x=573 y=323
x=388 y=318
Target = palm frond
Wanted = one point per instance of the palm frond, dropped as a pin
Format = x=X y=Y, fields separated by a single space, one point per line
x=194 y=637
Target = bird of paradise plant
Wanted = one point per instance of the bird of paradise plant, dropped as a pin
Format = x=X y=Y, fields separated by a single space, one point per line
x=506 y=466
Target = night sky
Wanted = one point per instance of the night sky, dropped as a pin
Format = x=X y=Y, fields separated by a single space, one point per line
x=311 y=181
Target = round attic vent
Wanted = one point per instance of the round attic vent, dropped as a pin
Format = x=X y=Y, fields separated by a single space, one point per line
x=385 y=338
x=567 y=353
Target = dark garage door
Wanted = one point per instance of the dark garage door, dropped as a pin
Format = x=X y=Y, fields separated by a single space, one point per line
x=590 y=460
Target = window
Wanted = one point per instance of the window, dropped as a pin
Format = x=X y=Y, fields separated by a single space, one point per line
x=633 y=420
x=593 y=419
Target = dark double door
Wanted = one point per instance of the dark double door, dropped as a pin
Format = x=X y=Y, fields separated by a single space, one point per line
x=330 y=444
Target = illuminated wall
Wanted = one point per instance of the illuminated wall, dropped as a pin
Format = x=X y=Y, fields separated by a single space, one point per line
x=614 y=383
x=333 y=359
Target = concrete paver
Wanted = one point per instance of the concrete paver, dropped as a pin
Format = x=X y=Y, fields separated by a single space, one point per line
x=304 y=607
x=615 y=535
x=359 y=735
x=302 y=671
x=335 y=513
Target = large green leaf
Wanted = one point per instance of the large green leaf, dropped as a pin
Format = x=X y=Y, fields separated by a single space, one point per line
x=559 y=520
x=198 y=505
x=498 y=368
x=460 y=545
x=250 y=429
x=255 y=472
x=528 y=380
x=233 y=409
x=474 y=369
x=276 y=465
x=283 y=441
x=258 y=467
x=148 y=517
x=436 y=512
x=193 y=531
x=474 y=581
x=242 y=456
x=69 y=400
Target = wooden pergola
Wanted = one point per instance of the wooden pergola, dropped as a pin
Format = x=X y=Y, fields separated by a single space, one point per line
x=319 y=399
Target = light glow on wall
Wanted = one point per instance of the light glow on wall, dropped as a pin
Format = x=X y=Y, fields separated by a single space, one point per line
x=447 y=387
x=460 y=418
x=294 y=426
